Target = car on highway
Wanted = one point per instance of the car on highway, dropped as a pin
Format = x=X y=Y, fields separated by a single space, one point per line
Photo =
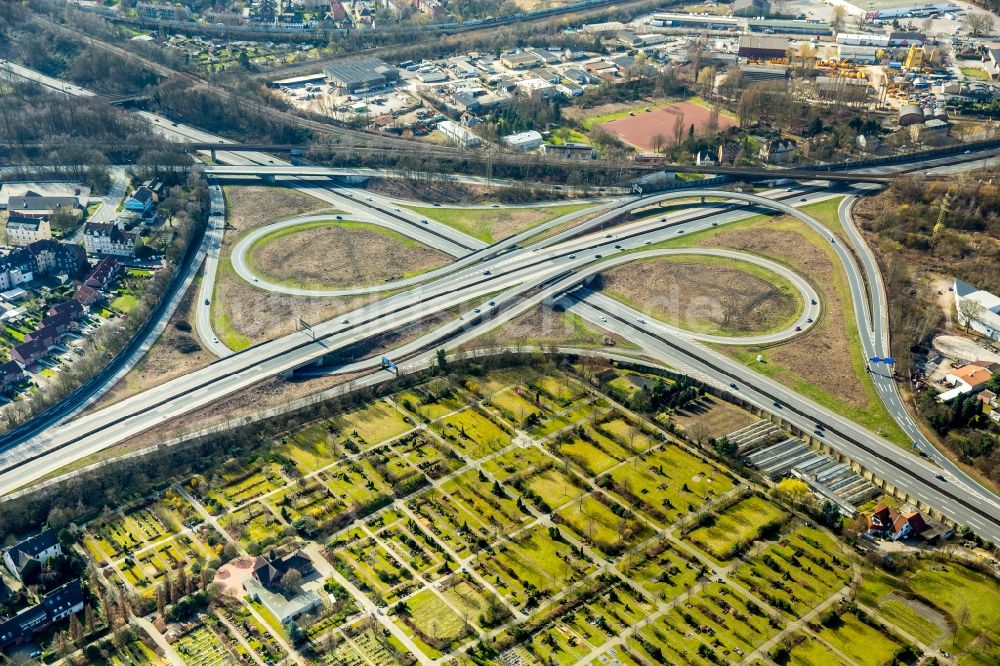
x=340 y=217
x=597 y=256
x=642 y=321
x=777 y=404
x=813 y=301
x=494 y=205
x=423 y=222
x=680 y=231
x=609 y=236
x=798 y=328
x=487 y=272
x=572 y=256
x=477 y=310
x=809 y=320
x=207 y=301
x=734 y=387
x=215 y=340
x=649 y=242
x=940 y=477
x=802 y=198
x=618 y=246
x=492 y=304
x=603 y=318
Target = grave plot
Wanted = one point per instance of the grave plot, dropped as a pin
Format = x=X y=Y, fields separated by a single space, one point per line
x=254 y=632
x=415 y=546
x=715 y=625
x=531 y=566
x=306 y=500
x=144 y=570
x=432 y=623
x=516 y=462
x=201 y=647
x=237 y=488
x=398 y=473
x=802 y=570
x=569 y=416
x=662 y=569
x=373 y=569
x=428 y=406
x=493 y=506
x=472 y=433
x=521 y=407
x=550 y=487
x=725 y=534
x=609 y=527
x=427 y=454
x=115 y=536
x=313 y=447
x=666 y=484
x=255 y=526
x=475 y=604
x=587 y=449
x=372 y=425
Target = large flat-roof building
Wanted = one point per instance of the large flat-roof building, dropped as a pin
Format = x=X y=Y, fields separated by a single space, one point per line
x=354 y=76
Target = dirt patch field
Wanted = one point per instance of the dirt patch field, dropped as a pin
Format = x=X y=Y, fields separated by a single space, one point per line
x=177 y=352
x=705 y=296
x=253 y=205
x=822 y=357
x=330 y=255
x=542 y=327
x=639 y=130
x=716 y=416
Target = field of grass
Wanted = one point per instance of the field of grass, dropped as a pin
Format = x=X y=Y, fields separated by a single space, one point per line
x=492 y=224
x=735 y=526
x=866 y=645
x=810 y=651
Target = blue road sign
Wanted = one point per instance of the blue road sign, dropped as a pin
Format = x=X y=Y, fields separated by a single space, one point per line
x=874 y=359
x=889 y=361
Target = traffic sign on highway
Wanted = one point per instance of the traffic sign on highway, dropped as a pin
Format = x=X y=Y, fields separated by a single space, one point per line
x=874 y=359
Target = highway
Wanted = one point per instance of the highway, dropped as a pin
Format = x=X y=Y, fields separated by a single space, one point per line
x=524 y=277
x=206 y=289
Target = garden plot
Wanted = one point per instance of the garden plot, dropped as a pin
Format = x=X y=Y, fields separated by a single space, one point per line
x=254 y=526
x=667 y=483
x=413 y=545
x=492 y=505
x=662 y=569
x=797 y=574
x=609 y=530
x=531 y=566
x=940 y=603
x=472 y=433
x=238 y=488
x=722 y=535
x=434 y=626
x=715 y=625
x=146 y=569
x=201 y=647
x=427 y=454
x=371 y=567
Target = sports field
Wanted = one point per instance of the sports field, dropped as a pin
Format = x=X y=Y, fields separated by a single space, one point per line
x=640 y=129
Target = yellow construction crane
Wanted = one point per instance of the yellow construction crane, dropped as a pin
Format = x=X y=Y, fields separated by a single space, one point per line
x=914 y=58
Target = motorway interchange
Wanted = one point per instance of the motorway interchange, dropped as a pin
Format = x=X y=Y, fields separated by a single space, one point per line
x=525 y=274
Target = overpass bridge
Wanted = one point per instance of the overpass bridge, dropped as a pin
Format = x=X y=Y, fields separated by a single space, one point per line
x=741 y=173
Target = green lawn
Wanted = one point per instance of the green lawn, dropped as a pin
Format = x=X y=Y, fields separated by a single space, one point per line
x=864 y=644
x=479 y=222
x=124 y=303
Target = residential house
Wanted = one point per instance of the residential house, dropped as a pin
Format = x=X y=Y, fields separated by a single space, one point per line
x=24 y=230
x=158 y=188
x=55 y=258
x=729 y=152
x=103 y=275
x=60 y=322
x=29 y=353
x=10 y=373
x=888 y=522
x=16 y=267
x=49 y=334
x=54 y=607
x=988 y=397
x=967 y=379
x=31 y=204
x=110 y=239
x=162 y=11
x=40 y=547
x=86 y=296
x=141 y=201
x=778 y=151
